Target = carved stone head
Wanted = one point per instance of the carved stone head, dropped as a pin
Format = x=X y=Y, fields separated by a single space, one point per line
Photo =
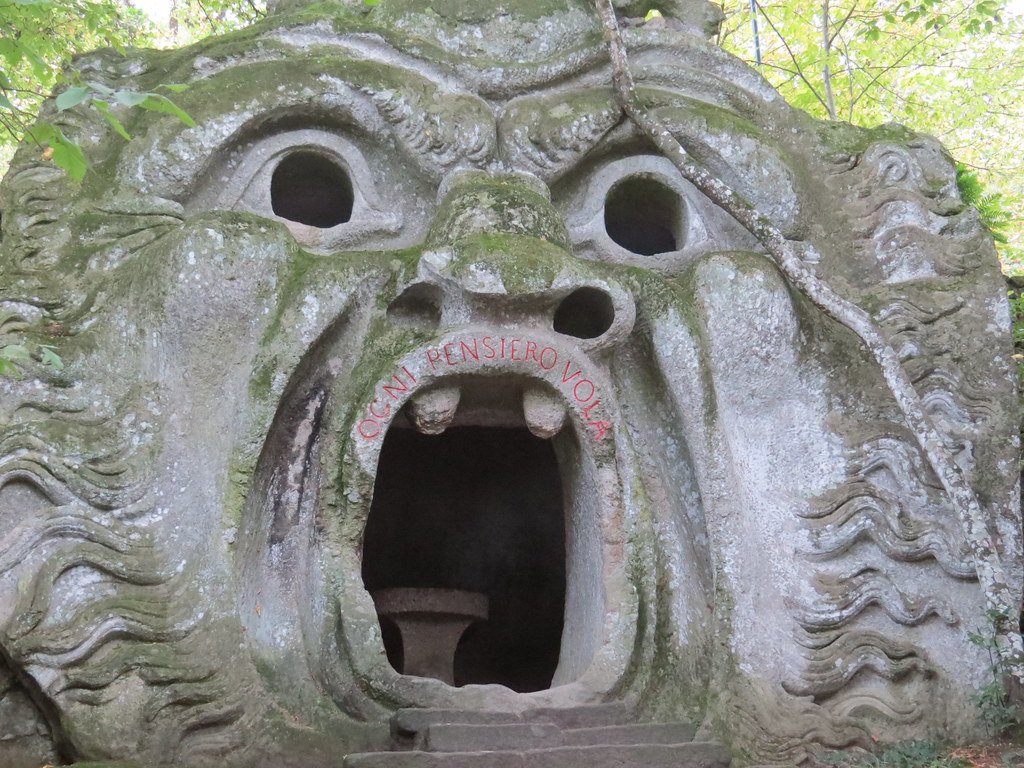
x=415 y=315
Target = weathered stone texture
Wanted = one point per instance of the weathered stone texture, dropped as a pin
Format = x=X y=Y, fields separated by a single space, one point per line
x=414 y=307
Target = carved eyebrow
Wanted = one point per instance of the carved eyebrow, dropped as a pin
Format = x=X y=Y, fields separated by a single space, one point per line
x=548 y=134
x=440 y=130
x=707 y=75
x=371 y=47
x=437 y=128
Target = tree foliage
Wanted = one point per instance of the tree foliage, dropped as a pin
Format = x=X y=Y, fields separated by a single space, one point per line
x=39 y=37
x=952 y=68
x=191 y=20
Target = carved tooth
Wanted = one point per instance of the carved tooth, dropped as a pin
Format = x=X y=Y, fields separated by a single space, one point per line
x=432 y=411
x=544 y=411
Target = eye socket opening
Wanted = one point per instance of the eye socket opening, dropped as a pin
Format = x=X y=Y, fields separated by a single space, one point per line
x=645 y=216
x=418 y=306
x=586 y=313
x=309 y=188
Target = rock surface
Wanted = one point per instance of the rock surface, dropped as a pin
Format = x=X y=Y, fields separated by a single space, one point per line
x=413 y=307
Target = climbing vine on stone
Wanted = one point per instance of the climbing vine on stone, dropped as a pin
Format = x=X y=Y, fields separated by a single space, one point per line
x=787 y=256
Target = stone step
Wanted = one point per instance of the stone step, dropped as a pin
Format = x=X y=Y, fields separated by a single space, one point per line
x=409 y=726
x=458 y=737
x=690 y=755
x=587 y=716
x=634 y=733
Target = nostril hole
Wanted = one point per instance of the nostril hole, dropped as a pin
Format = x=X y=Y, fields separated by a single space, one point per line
x=644 y=216
x=586 y=313
x=418 y=306
x=309 y=188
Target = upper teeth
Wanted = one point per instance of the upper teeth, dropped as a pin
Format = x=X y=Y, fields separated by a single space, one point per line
x=544 y=411
x=432 y=411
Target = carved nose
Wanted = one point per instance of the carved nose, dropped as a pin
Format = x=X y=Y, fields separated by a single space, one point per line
x=587 y=313
x=499 y=257
x=475 y=203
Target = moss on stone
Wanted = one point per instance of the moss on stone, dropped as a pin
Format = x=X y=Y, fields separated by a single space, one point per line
x=853 y=139
x=715 y=119
x=497 y=209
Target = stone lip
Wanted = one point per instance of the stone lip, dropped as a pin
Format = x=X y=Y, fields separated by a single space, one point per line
x=597 y=643
x=430 y=600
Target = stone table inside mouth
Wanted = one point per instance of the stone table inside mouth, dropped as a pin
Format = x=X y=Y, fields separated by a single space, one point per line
x=431 y=622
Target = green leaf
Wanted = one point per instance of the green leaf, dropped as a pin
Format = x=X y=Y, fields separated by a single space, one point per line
x=51 y=358
x=39 y=67
x=66 y=153
x=11 y=51
x=41 y=133
x=175 y=87
x=69 y=156
x=5 y=102
x=101 y=88
x=16 y=353
x=158 y=103
x=131 y=98
x=72 y=97
x=7 y=368
x=104 y=109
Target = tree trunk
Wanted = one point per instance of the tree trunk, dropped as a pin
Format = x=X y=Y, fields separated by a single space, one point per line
x=826 y=72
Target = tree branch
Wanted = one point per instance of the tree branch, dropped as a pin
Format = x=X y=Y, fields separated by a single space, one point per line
x=842 y=23
x=213 y=24
x=792 y=56
x=793 y=73
x=785 y=254
x=889 y=67
x=826 y=70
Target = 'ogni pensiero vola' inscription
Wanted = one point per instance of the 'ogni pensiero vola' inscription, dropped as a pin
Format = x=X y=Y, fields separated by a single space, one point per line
x=554 y=365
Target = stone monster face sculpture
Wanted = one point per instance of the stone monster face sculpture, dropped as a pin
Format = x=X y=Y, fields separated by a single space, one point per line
x=415 y=307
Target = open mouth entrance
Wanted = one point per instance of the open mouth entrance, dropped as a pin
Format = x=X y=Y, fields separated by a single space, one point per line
x=466 y=523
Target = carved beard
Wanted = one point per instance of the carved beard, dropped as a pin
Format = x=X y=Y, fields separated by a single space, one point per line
x=709 y=482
